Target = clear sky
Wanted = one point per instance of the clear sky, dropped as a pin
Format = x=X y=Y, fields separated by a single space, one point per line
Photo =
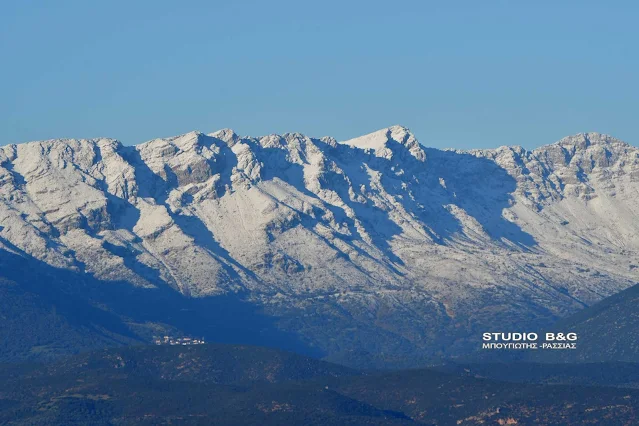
x=458 y=73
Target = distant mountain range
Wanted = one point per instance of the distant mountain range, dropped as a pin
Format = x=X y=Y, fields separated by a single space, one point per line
x=374 y=251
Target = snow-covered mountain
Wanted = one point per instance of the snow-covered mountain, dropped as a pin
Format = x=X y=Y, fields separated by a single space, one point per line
x=375 y=244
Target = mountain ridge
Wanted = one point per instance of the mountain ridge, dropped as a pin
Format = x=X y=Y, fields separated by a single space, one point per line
x=361 y=243
x=228 y=133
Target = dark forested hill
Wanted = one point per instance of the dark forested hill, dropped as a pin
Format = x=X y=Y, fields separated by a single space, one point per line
x=244 y=385
x=619 y=374
x=213 y=363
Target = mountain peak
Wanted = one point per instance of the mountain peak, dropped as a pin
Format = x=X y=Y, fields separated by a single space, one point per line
x=226 y=134
x=384 y=142
x=588 y=139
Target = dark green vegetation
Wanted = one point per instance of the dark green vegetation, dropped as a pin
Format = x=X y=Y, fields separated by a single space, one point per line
x=215 y=363
x=240 y=385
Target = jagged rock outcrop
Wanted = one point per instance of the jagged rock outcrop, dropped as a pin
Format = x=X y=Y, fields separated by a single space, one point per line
x=377 y=244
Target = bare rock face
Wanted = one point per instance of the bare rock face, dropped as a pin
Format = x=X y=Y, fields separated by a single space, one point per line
x=376 y=242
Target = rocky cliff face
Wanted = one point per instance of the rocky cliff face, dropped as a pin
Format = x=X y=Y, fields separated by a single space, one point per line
x=375 y=244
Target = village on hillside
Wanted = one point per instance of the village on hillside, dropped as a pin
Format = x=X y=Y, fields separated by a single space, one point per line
x=168 y=340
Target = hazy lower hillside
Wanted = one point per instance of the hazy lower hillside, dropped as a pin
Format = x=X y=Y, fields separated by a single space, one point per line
x=241 y=385
x=608 y=331
x=372 y=251
x=48 y=312
x=45 y=312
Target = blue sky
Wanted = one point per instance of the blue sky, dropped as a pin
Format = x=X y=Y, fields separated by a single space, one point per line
x=459 y=74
